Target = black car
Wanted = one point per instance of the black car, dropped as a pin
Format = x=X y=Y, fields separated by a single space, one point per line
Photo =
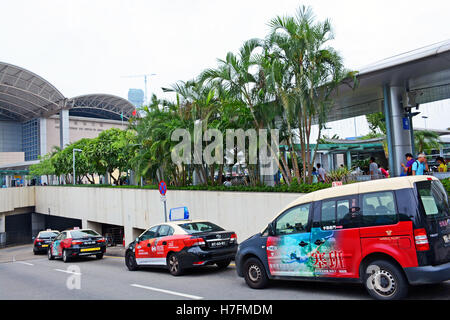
x=180 y=245
x=43 y=239
x=76 y=243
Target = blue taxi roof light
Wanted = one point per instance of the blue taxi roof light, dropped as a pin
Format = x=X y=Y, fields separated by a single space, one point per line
x=179 y=213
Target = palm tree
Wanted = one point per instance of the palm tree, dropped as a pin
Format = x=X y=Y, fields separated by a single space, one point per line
x=425 y=141
x=316 y=70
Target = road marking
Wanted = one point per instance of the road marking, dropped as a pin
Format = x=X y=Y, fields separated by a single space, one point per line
x=168 y=292
x=65 y=271
x=23 y=262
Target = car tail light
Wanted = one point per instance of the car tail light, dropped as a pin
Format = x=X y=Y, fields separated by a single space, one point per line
x=76 y=242
x=101 y=240
x=198 y=262
x=194 y=242
x=38 y=240
x=233 y=238
x=421 y=240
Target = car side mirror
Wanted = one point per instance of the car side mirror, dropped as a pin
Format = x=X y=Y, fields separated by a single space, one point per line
x=270 y=229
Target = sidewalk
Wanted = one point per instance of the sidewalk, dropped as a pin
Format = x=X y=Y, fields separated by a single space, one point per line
x=18 y=253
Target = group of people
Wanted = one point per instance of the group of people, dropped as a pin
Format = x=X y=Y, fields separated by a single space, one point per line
x=419 y=166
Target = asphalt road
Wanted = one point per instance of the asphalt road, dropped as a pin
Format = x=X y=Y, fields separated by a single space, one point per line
x=25 y=276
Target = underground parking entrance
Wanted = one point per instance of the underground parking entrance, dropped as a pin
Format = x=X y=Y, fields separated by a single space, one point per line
x=22 y=228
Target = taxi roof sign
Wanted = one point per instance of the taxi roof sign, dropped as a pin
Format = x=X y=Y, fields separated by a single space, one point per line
x=180 y=213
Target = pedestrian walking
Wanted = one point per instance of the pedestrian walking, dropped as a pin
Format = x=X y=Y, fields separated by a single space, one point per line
x=315 y=175
x=420 y=166
x=322 y=173
x=442 y=165
x=407 y=169
x=373 y=168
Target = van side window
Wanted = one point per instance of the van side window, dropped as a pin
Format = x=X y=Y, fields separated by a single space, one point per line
x=378 y=209
x=337 y=214
x=294 y=220
x=328 y=213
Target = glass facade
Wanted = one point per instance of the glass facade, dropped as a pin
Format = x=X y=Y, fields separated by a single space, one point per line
x=30 y=139
x=136 y=97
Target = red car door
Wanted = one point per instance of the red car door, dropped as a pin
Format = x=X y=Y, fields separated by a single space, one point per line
x=335 y=242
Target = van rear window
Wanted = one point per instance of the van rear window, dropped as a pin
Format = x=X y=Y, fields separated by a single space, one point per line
x=434 y=198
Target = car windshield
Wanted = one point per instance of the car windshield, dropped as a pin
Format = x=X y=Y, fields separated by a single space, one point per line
x=47 y=235
x=196 y=227
x=77 y=234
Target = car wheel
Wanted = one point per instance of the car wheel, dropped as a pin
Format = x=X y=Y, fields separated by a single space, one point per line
x=65 y=257
x=35 y=253
x=130 y=261
x=385 y=281
x=99 y=256
x=173 y=262
x=223 y=264
x=255 y=274
x=49 y=254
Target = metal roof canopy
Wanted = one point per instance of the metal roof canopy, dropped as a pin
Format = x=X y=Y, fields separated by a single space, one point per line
x=25 y=96
x=424 y=72
x=101 y=105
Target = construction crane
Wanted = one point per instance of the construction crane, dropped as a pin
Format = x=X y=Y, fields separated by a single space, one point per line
x=145 y=82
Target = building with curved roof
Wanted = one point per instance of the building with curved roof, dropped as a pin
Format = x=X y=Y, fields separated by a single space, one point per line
x=35 y=116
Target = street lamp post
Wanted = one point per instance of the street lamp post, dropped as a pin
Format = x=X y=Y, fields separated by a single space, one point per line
x=425 y=120
x=73 y=162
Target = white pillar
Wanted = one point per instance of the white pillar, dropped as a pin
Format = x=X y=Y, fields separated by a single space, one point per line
x=64 y=138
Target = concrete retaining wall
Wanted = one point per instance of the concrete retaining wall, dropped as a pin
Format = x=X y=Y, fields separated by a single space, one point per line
x=245 y=213
x=15 y=198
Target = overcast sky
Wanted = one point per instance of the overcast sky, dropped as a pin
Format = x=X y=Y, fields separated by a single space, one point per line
x=88 y=46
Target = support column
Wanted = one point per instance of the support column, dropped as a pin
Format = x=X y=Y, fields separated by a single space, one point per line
x=2 y=230
x=400 y=136
x=64 y=138
x=43 y=136
x=86 y=224
x=349 y=160
x=2 y=222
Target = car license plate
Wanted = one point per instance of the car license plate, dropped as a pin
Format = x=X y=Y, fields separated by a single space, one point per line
x=216 y=244
x=44 y=245
x=89 y=249
x=89 y=242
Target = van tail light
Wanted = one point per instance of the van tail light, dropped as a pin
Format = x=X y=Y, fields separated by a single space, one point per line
x=194 y=242
x=421 y=240
x=76 y=242
x=233 y=238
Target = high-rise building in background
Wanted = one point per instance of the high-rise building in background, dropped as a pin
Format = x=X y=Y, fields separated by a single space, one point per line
x=136 y=97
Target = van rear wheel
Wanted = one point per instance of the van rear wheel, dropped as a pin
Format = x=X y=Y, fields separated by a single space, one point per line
x=385 y=281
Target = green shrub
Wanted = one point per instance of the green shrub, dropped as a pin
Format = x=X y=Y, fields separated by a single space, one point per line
x=446 y=183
